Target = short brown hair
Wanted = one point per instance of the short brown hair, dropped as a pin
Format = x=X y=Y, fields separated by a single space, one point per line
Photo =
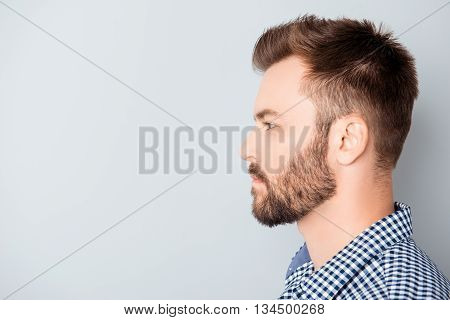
x=352 y=66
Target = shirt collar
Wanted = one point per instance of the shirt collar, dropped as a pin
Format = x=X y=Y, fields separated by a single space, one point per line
x=300 y=257
x=339 y=270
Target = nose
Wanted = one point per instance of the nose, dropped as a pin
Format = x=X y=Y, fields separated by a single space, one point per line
x=248 y=147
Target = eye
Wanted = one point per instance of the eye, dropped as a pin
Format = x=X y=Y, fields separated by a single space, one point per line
x=269 y=125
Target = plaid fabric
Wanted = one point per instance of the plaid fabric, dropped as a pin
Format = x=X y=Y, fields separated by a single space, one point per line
x=382 y=262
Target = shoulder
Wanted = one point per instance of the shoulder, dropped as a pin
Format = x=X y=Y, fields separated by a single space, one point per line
x=408 y=273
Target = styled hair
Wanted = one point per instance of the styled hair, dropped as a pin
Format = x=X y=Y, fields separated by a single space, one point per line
x=351 y=66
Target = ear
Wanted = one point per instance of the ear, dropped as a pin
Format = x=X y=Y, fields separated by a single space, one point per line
x=350 y=137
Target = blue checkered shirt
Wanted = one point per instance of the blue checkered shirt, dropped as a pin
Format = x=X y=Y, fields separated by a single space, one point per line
x=382 y=262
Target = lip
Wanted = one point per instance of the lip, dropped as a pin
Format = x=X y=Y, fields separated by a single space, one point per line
x=255 y=179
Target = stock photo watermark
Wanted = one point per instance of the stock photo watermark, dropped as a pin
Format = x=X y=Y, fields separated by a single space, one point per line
x=182 y=150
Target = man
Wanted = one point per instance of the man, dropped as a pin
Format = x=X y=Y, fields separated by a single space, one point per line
x=341 y=92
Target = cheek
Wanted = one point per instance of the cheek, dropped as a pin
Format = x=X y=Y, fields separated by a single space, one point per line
x=276 y=156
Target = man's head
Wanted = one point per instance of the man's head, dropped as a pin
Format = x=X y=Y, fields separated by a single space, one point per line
x=335 y=101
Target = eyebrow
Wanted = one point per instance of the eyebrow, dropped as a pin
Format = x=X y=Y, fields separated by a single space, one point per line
x=265 y=112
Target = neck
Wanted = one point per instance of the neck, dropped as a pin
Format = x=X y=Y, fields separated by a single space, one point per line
x=334 y=224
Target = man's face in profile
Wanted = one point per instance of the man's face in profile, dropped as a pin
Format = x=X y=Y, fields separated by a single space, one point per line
x=287 y=156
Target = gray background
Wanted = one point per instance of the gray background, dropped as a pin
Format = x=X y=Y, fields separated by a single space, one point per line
x=69 y=146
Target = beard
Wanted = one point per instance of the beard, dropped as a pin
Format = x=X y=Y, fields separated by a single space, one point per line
x=304 y=184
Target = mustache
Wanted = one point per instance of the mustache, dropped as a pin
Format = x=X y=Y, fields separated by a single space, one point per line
x=255 y=170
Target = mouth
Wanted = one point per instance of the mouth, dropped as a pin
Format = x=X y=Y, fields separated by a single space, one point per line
x=255 y=179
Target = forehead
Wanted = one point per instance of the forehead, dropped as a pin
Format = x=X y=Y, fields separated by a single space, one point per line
x=279 y=86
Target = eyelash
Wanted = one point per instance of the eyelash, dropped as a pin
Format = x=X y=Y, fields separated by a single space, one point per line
x=270 y=125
